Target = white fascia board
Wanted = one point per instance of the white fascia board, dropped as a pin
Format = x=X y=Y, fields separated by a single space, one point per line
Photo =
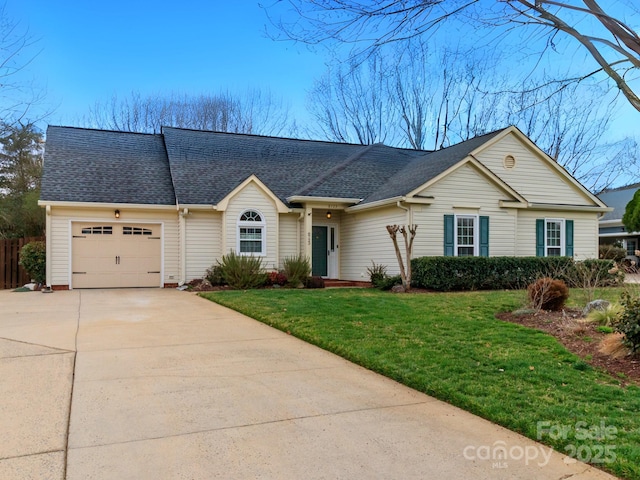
x=309 y=199
x=131 y=206
x=376 y=204
x=618 y=234
x=570 y=208
x=196 y=206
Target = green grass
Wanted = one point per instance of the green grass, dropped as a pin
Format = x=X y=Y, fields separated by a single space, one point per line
x=451 y=346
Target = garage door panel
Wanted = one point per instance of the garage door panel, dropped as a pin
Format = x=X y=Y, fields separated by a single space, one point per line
x=115 y=255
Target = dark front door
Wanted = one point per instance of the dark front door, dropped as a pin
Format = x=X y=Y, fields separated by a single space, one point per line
x=319 y=252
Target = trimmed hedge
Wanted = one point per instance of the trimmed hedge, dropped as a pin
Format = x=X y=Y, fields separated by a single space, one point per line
x=502 y=273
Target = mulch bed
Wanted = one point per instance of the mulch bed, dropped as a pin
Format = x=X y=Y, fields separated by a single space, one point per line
x=580 y=338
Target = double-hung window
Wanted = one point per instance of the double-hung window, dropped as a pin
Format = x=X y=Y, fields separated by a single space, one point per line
x=554 y=237
x=251 y=233
x=466 y=235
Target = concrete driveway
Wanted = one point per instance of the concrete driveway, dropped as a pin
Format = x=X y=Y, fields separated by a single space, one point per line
x=161 y=384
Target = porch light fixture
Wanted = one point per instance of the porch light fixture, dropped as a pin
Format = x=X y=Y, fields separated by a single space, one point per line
x=117 y=213
x=329 y=214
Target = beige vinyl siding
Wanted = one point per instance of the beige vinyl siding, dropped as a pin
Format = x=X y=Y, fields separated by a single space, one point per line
x=585 y=232
x=289 y=236
x=532 y=177
x=61 y=219
x=253 y=198
x=456 y=194
x=364 y=237
x=203 y=232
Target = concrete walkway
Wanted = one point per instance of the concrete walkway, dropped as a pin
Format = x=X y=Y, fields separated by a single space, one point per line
x=166 y=385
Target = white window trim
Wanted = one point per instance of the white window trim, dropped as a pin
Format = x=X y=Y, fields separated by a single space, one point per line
x=244 y=224
x=476 y=234
x=563 y=240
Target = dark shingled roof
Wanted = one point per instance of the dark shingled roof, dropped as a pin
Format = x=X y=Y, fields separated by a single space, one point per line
x=83 y=165
x=618 y=199
x=207 y=165
x=204 y=167
x=426 y=166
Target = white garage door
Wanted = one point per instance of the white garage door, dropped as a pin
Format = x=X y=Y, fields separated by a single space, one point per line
x=116 y=255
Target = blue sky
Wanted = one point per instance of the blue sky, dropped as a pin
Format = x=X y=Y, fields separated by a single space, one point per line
x=90 y=51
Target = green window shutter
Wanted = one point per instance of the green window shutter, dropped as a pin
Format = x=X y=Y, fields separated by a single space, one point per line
x=540 y=237
x=449 y=232
x=484 y=236
x=568 y=238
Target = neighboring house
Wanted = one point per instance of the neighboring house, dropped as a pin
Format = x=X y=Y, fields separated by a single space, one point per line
x=130 y=209
x=611 y=228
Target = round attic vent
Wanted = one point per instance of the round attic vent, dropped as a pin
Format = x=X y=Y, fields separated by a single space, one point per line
x=509 y=162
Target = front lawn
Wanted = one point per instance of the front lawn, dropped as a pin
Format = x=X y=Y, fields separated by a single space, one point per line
x=451 y=346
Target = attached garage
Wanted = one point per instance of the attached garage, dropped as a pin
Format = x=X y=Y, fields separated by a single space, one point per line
x=116 y=255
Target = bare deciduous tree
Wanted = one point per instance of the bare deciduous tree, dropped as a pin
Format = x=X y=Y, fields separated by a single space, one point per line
x=352 y=104
x=18 y=94
x=436 y=98
x=408 y=233
x=254 y=112
x=606 y=37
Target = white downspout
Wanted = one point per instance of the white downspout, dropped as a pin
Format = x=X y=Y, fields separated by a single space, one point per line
x=406 y=209
x=182 y=219
x=48 y=243
x=299 y=233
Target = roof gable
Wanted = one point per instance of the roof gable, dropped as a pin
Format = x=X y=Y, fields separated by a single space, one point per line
x=488 y=176
x=224 y=203
x=425 y=167
x=536 y=176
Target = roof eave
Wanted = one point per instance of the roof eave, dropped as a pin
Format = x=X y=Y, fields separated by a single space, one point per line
x=312 y=199
x=148 y=206
x=569 y=208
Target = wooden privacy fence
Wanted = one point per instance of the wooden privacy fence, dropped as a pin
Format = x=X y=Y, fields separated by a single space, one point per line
x=12 y=275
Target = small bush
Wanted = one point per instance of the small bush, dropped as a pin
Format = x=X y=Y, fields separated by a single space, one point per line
x=314 y=282
x=611 y=252
x=33 y=258
x=214 y=276
x=242 y=272
x=277 y=278
x=629 y=323
x=548 y=294
x=377 y=274
x=389 y=282
x=297 y=269
x=591 y=273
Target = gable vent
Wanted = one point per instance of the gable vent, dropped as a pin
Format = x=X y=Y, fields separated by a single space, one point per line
x=509 y=162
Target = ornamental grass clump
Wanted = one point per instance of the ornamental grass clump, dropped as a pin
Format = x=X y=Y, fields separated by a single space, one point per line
x=242 y=272
x=548 y=294
x=297 y=269
x=377 y=274
x=607 y=316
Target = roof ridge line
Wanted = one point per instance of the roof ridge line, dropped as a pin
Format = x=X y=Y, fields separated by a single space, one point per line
x=338 y=168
